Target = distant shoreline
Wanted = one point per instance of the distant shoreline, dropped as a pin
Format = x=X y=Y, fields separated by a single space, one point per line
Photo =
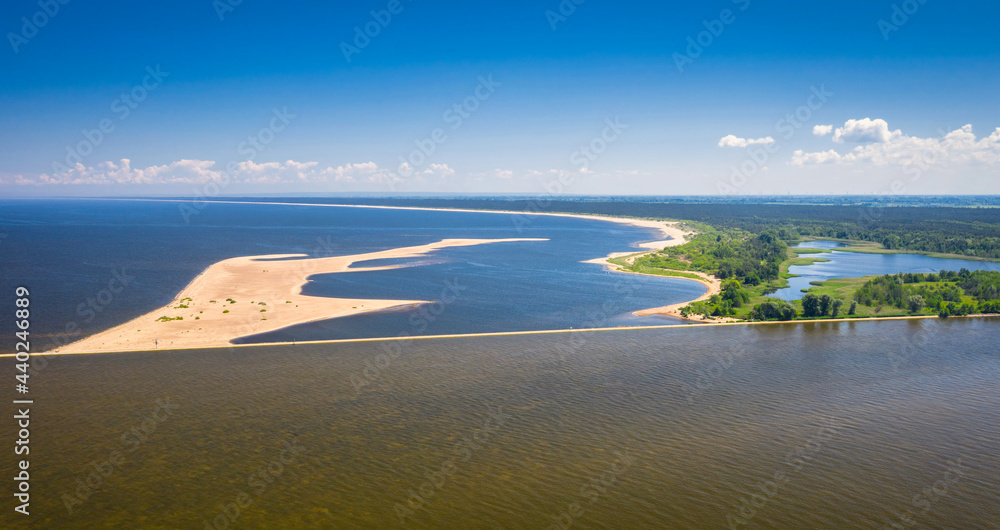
x=280 y=298
x=669 y=229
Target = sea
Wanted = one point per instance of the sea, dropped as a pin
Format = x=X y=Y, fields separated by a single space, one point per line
x=870 y=424
x=830 y=425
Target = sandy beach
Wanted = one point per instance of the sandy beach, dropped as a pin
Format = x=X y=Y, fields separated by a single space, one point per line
x=249 y=295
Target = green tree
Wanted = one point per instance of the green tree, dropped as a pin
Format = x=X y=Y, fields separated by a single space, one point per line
x=810 y=305
x=825 y=302
x=915 y=303
x=854 y=308
x=773 y=309
x=835 y=308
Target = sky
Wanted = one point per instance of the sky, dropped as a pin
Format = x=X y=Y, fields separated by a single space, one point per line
x=550 y=97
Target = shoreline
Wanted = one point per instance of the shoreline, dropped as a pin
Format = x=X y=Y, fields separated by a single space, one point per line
x=671 y=230
x=250 y=295
x=518 y=333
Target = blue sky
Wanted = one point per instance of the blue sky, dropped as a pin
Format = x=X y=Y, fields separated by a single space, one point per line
x=909 y=103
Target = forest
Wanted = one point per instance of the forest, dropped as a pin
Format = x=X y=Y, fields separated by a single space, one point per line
x=745 y=257
x=947 y=292
x=968 y=231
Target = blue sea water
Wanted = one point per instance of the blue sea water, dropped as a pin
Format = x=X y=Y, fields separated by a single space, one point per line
x=94 y=264
x=70 y=252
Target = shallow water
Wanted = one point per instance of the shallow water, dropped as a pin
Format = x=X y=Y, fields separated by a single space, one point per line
x=844 y=264
x=830 y=425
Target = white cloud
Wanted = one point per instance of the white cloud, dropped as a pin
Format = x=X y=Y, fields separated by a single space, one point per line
x=736 y=141
x=439 y=170
x=864 y=131
x=956 y=148
x=202 y=171
x=822 y=130
x=801 y=158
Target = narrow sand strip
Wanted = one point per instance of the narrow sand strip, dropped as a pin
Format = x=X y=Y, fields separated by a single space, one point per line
x=249 y=295
x=537 y=332
x=670 y=229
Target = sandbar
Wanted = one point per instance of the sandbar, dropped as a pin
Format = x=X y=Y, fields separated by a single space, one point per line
x=248 y=295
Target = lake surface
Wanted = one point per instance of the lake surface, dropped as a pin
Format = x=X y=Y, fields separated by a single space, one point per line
x=67 y=251
x=856 y=264
x=821 y=425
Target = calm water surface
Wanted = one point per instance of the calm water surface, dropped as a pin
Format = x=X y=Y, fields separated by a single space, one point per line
x=821 y=425
x=855 y=264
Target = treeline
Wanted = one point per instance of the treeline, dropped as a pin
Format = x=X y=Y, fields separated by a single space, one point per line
x=965 y=231
x=751 y=260
x=945 y=292
x=813 y=306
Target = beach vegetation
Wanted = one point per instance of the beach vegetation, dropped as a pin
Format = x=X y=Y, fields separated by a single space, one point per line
x=750 y=259
x=773 y=309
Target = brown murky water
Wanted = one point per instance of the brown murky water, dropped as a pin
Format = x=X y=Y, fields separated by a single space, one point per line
x=839 y=425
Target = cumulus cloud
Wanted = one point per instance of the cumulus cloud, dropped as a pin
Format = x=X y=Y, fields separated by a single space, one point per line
x=735 y=141
x=822 y=130
x=958 y=147
x=438 y=170
x=203 y=171
x=864 y=131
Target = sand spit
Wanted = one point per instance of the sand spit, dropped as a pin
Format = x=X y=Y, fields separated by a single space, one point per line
x=545 y=332
x=249 y=295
